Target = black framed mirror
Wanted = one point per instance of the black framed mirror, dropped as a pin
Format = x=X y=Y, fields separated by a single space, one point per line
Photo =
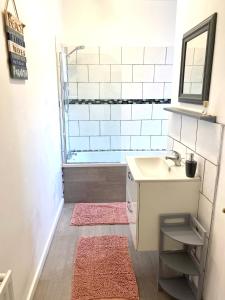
x=196 y=62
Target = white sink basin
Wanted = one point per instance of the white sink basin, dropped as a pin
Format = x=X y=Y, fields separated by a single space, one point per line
x=156 y=168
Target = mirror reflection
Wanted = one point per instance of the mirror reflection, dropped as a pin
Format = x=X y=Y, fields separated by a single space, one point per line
x=194 y=64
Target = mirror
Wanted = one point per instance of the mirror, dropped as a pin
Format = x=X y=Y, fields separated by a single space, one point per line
x=196 y=62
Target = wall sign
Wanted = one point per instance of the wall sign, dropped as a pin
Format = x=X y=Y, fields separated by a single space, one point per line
x=16 y=46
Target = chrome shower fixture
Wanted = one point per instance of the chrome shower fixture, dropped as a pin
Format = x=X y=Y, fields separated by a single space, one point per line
x=76 y=49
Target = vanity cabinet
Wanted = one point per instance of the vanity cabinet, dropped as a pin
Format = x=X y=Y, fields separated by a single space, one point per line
x=148 y=199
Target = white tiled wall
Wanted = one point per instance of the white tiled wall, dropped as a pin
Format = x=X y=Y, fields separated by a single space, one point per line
x=202 y=138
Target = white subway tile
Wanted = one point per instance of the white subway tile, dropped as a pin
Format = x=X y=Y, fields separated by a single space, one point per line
x=77 y=73
x=197 y=74
x=110 y=127
x=78 y=112
x=189 y=131
x=189 y=60
x=88 y=128
x=167 y=90
x=120 y=142
x=169 y=55
x=151 y=127
x=73 y=128
x=140 y=142
x=158 y=142
x=79 y=143
x=72 y=90
x=99 y=73
x=132 y=55
x=143 y=73
x=141 y=111
x=180 y=148
x=100 y=112
x=209 y=182
x=199 y=56
x=196 y=88
x=100 y=143
x=110 y=90
x=155 y=55
x=131 y=90
x=110 y=55
x=205 y=212
x=158 y=111
x=204 y=146
x=174 y=126
x=121 y=73
x=165 y=127
x=88 y=55
x=121 y=112
x=163 y=73
x=88 y=90
x=153 y=90
x=130 y=127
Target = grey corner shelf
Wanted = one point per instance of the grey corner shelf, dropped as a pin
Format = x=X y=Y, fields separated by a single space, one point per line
x=186 y=230
x=192 y=114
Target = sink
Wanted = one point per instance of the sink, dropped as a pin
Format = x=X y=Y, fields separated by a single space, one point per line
x=155 y=168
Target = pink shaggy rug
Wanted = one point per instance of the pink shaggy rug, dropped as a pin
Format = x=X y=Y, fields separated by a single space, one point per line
x=99 y=213
x=103 y=269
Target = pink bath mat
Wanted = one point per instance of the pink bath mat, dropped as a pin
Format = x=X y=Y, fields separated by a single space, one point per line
x=103 y=269
x=99 y=213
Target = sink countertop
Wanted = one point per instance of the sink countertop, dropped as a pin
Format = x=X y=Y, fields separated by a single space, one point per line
x=157 y=169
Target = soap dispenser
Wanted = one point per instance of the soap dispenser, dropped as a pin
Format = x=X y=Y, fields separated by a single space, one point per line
x=190 y=165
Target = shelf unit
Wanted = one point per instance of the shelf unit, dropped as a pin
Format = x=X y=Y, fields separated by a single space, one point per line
x=188 y=232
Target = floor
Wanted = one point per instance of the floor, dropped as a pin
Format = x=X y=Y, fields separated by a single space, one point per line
x=55 y=281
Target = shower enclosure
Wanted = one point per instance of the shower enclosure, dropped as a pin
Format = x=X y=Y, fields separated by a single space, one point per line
x=112 y=101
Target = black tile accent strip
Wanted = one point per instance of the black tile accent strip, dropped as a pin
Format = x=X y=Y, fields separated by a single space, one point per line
x=119 y=101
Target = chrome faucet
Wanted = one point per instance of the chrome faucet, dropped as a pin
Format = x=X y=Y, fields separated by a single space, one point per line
x=176 y=157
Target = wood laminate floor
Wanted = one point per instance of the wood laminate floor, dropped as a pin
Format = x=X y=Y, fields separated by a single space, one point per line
x=55 y=280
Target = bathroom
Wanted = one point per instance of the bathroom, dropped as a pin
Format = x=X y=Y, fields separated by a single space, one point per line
x=100 y=76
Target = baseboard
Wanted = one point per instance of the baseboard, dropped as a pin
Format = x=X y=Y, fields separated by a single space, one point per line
x=44 y=254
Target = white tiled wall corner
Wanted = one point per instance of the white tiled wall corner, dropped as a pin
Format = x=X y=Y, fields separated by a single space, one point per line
x=132 y=90
x=210 y=177
x=100 y=142
x=72 y=90
x=180 y=148
x=73 y=128
x=132 y=55
x=169 y=144
x=163 y=73
x=110 y=127
x=88 y=55
x=140 y=142
x=121 y=112
x=89 y=128
x=88 y=90
x=204 y=145
x=110 y=90
x=155 y=55
x=153 y=90
x=151 y=127
x=158 y=142
x=158 y=111
x=169 y=55
x=130 y=127
x=167 y=90
x=141 y=111
x=110 y=55
x=99 y=112
x=189 y=131
x=205 y=212
x=164 y=127
x=174 y=126
x=78 y=73
x=121 y=73
x=79 y=143
x=120 y=142
x=99 y=73
x=78 y=112
x=143 y=73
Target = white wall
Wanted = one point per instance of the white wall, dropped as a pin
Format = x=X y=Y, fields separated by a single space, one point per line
x=116 y=22
x=30 y=162
x=189 y=14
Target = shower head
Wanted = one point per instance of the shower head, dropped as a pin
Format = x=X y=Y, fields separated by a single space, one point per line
x=76 y=49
